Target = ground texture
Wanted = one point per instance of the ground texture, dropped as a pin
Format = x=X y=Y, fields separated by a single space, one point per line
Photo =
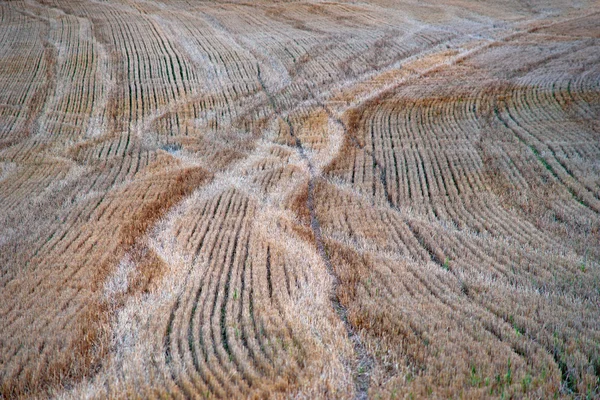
x=383 y=199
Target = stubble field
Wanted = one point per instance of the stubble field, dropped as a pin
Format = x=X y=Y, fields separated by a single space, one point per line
x=383 y=199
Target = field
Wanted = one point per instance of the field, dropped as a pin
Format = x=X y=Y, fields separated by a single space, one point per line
x=305 y=199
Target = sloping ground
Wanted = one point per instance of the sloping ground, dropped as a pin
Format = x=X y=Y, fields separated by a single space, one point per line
x=385 y=199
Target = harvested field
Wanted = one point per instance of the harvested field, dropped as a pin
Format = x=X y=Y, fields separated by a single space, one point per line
x=227 y=199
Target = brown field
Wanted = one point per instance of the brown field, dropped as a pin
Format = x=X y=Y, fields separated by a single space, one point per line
x=268 y=199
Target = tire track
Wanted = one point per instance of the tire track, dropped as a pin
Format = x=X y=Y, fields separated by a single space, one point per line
x=364 y=363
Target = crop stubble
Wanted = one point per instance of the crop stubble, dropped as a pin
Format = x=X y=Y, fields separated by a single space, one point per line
x=302 y=199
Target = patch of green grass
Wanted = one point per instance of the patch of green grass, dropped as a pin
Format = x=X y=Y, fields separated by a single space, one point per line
x=502 y=382
x=475 y=377
x=446 y=264
x=515 y=327
x=526 y=382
